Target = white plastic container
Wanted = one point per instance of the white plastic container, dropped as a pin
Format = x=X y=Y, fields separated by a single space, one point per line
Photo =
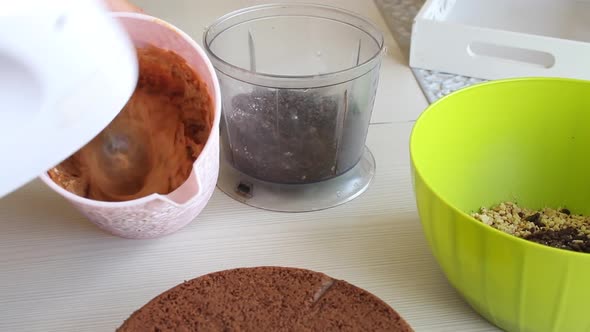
x=494 y=39
x=159 y=215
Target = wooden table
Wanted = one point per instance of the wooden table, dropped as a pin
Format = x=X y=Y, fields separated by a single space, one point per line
x=60 y=273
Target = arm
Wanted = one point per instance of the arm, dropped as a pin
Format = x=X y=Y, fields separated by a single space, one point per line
x=122 y=6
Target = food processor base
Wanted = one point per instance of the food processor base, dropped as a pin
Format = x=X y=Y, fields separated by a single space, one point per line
x=297 y=197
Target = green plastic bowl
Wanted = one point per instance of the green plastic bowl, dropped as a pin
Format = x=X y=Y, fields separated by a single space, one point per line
x=524 y=140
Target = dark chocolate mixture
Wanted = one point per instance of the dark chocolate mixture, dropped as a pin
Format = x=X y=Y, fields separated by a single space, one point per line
x=294 y=136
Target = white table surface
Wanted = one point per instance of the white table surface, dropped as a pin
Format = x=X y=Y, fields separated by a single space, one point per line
x=60 y=273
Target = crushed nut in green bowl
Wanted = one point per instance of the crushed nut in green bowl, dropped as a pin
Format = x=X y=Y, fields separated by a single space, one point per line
x=558 y=228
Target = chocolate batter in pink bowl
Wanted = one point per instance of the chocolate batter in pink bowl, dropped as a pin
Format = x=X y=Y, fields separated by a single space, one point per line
x=160 y=179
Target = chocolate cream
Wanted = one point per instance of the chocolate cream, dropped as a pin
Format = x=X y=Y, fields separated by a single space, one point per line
x=150 y=147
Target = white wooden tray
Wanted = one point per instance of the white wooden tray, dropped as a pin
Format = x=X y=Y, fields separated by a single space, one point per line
x=495 y=39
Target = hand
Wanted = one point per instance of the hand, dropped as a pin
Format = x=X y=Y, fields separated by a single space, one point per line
x=122 y=6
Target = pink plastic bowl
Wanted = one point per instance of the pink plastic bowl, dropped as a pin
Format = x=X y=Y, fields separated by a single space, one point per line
x=158 y=215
